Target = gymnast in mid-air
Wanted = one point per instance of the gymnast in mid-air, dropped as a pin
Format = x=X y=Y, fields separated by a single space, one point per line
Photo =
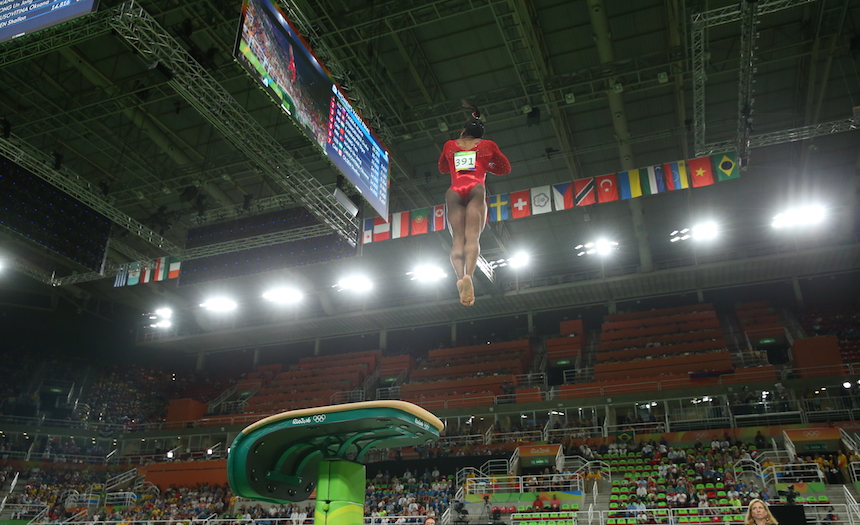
x=468 y=159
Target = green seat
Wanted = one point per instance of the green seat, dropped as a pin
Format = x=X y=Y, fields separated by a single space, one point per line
x=823 y=499
x=611 y=521
x=683 y=519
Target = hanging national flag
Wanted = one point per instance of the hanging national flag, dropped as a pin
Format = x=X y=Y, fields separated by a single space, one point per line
x=499 y=207
x=381 y=229
x=541 y=202
x=700 y=172
x=367 y=231
x=629 y=184
x=133 y=273
x=660 y=178
x=562 y=196
x=439 y=221
x=146 y=272
x=676 y=175
x=607 y=188
x=400 y=225
x=520 y=204
x=420 y=221
x=173 y=265
x=648 y=178
x=160 y=272
x=121 y=276
x=726 y=166
x=583 y=190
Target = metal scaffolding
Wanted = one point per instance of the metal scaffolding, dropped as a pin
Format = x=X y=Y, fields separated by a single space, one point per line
x=40 y=164
x=248 y=243
x=745 y=82
x=746 y=13
x=215 y=104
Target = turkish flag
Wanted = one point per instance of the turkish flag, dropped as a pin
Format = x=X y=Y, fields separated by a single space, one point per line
x=607 y=188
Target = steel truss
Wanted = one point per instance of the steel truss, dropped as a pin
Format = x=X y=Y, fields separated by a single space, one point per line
x=249 y=243
x=215 y=104
x=746 y=13
x=787 y=135
x=40 y=163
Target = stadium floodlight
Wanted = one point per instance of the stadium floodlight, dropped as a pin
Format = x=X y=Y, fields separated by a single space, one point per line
x=800 y=217
x=846 y=384
x=519 y=260
x=164 y=323
x=680 y=235
x=704 y=231
x=498 y=263
x=600 y=246
x=219 y=304
x=164 y=313
x=427 y=273
x=284 y=295
x=356 y=283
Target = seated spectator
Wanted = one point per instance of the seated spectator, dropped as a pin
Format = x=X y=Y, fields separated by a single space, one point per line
x=555 y=503
x=537 y=506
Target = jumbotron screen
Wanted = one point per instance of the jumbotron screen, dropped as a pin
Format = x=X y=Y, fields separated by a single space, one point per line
x=22 y=17
x=274 y=54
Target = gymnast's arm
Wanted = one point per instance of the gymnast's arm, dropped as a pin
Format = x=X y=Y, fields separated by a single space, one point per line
x=444 y=166
x=500 y=164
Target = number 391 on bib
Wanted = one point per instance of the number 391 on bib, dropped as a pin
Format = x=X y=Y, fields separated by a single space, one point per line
x=465 y=160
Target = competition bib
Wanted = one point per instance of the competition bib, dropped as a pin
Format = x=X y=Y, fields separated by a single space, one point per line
x=465 y=160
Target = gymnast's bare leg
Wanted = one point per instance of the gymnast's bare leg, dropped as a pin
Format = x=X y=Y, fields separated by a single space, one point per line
x=466 y=222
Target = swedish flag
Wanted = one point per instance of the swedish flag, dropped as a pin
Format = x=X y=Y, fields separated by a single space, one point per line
x=500 y=207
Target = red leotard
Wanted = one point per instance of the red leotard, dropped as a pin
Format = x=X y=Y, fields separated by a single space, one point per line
x=489 y=158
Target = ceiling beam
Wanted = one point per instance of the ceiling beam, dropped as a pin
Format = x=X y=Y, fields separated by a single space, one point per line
x=215 y=104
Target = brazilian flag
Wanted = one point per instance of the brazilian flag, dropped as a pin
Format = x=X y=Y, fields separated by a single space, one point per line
x=625 y=436
x=725 y=166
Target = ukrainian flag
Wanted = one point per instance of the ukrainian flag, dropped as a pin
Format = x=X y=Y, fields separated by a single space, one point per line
x=628 y=183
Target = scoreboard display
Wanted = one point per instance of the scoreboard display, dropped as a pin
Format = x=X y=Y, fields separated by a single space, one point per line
x=22 y=17
x=275 y=55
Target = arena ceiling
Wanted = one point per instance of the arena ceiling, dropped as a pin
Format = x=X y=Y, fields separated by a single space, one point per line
x=571 y=89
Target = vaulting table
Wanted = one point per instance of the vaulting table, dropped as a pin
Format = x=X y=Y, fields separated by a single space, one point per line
x=286 y=456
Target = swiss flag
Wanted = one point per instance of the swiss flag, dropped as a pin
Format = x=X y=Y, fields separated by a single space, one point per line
x=607 y=188
x=520 y=204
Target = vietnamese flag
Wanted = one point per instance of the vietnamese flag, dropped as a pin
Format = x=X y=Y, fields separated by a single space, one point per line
x=700 y=171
